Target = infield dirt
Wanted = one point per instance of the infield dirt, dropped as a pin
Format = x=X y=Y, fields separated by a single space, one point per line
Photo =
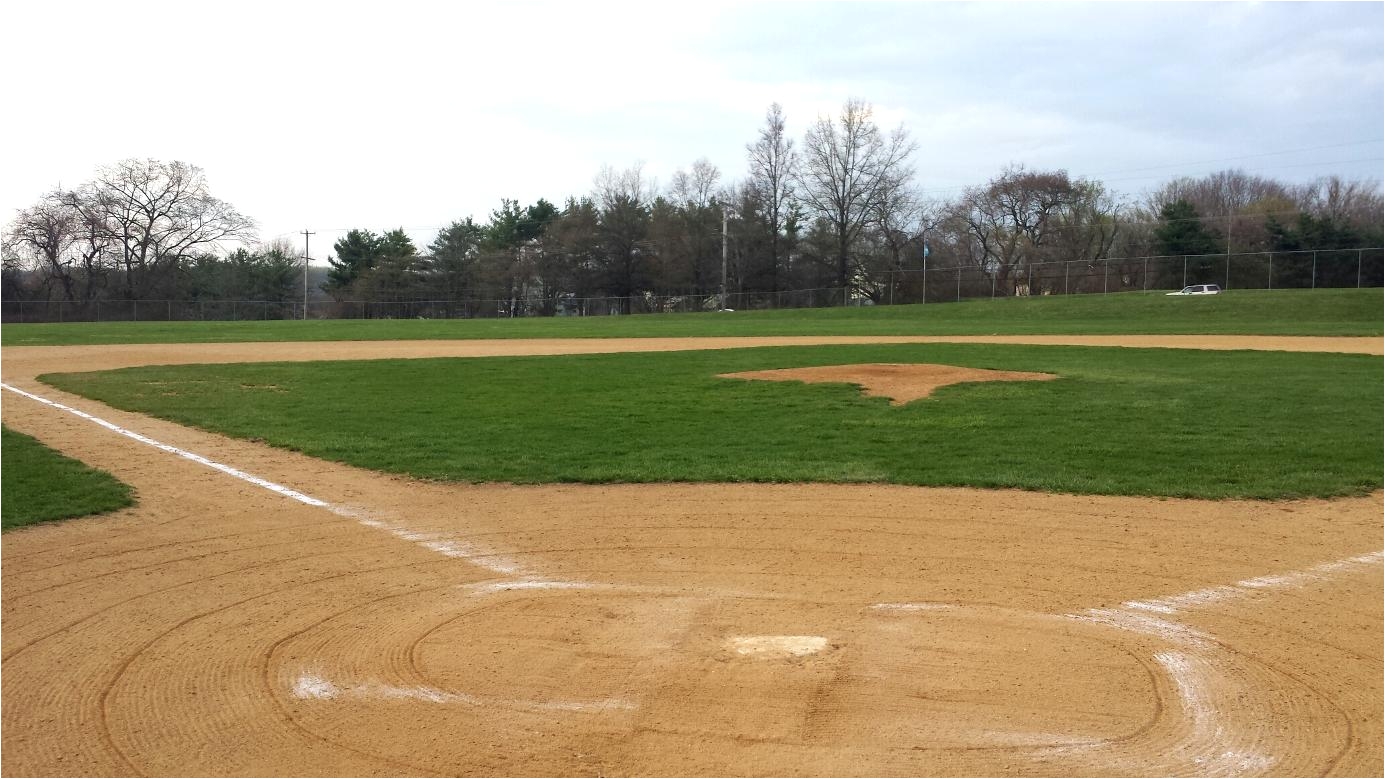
x=418 y=628
x=901 y=383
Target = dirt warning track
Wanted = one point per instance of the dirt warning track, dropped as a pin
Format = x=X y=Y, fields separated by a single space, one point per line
x=386 y=626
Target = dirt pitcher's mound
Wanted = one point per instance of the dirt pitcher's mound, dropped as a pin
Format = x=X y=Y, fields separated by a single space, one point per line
x=900 y=382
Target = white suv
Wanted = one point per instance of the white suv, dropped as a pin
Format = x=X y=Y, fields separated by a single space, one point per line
x=1199 y=289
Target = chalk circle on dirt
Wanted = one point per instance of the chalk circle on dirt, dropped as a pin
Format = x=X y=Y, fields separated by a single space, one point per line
x=746 y=668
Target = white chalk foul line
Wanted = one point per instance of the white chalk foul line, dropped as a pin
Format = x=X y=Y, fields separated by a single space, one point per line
x=1175 y=603
x=314 y=687
x=197 y=458
x=478 y=556
x=1138 y=616
x=1210 y=744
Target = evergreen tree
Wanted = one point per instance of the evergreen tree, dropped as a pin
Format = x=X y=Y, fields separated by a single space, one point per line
x=1181 y=231
x=451 y=266
x=356 y=253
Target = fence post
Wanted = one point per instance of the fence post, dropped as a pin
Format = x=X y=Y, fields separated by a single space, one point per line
x=1315 y=271
x=959 y=283
x=1358 y=268
x=1105 y=273
x=1228 y=272
x=1065 y=278
x=993 y=277
x=1185 y=270
x=170 y=311
x=1269 y=274
x=98 y=311
x=1144 y=277
x=137 y=309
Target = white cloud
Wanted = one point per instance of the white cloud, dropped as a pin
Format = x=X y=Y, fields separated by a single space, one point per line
x=379 y=115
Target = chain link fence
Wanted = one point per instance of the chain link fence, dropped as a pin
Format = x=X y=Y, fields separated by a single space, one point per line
x=1254 y=270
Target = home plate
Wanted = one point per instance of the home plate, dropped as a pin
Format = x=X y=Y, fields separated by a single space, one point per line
x=776 y=646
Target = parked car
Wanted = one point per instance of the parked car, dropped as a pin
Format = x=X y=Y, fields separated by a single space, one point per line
x=1199 y=289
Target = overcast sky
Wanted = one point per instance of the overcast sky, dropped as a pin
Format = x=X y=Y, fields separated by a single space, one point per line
x=389 y=114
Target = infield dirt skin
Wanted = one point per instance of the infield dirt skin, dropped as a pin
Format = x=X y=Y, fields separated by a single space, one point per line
x=403 y=627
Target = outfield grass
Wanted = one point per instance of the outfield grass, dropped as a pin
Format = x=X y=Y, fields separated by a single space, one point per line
x=1118 y=421
x=40 y=485
x=1248 y=312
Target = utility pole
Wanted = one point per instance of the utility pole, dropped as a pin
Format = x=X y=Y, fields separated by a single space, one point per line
x=723 y=257
x=305 y=273
x=923 y=295
x=1228 y=251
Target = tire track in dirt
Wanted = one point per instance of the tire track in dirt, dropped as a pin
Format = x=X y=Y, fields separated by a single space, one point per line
x=632 y=593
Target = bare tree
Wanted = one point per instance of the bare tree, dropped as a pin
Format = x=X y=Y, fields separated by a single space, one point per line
x=156 y=214
x=698 y=188
x=1012 y=217
x=900 y=215
x=57 y=241
x=848 y=165
x=1353 y=202
x=1086 y=223
x=773 y=165
x=1233 y=204
x=697 y=224
x=39 y=237
x=624 y=199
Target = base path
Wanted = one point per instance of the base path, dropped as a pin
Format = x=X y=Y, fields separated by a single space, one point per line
x=385 y=626
x=22 y=361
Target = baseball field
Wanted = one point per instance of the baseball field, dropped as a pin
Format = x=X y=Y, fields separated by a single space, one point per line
x=1132 y=536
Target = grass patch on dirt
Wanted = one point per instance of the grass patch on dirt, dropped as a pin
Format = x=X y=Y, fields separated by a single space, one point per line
x=1119 y=421
x=1238 y=312
x=39 y=485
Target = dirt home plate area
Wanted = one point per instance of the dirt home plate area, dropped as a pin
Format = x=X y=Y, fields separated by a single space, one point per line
x=260 y=612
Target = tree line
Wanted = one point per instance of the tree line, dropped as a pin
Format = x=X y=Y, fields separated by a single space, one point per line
x=838 y=209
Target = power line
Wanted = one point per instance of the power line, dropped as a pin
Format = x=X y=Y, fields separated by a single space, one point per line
x=1101 y=177
x=1247 y=156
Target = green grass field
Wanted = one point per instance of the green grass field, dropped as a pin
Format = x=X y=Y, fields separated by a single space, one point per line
x=1118 y=421
x=40 y=485
x=1249 y=312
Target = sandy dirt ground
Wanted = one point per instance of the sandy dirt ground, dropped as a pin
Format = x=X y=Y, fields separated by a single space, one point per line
x=900 y=382
x=354 y=623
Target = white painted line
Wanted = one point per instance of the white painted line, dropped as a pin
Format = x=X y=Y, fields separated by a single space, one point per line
x=485 y=588
x=197 y=458
x=923 y=606
x=313 y=687
x=1214 y=743
x=1173 y=604
x=1149 y=625
x=1215 y=748
x=478 y=556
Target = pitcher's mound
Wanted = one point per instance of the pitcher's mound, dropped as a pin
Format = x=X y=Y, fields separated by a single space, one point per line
x=900 y=382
